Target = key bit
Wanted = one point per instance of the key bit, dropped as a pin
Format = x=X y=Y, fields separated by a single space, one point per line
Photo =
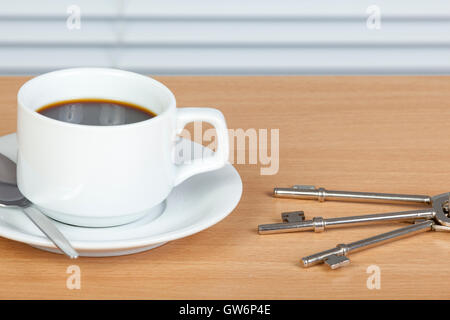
x=335 y=261
x=293 y=216
x=290 y=220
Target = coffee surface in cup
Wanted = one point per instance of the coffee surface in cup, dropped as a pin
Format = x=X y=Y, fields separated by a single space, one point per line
x=96 y=112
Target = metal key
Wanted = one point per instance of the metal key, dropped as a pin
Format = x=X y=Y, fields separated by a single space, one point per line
x=320 y=224
x=321 y=194
x=336 y=257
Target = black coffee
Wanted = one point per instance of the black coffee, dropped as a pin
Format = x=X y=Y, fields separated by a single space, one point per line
x=96 y=112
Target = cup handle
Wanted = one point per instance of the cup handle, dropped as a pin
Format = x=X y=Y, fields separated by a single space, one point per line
x=220 y=157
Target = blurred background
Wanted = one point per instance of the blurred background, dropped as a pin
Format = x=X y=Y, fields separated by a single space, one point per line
x=252 y=37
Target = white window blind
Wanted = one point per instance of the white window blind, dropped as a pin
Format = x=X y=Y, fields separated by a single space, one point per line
x=227 y=37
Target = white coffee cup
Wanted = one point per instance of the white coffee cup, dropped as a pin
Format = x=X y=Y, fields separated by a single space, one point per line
x=105 y=175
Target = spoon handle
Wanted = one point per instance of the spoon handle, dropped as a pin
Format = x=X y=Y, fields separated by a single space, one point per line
x=49 y=229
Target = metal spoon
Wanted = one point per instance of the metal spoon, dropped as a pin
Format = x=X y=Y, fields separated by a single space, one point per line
x=10 y=196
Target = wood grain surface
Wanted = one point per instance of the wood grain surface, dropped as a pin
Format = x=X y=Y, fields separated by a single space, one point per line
x=381 y=134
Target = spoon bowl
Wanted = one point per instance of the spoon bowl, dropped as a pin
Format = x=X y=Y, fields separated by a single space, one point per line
x=10 y=196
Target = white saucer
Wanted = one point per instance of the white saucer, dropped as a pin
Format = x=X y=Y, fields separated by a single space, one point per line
x=196 y=204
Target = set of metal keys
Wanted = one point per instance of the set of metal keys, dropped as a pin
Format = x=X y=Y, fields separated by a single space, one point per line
x=434 y=217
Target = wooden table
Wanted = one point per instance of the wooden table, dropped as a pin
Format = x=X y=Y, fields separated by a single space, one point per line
x=381 y=134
